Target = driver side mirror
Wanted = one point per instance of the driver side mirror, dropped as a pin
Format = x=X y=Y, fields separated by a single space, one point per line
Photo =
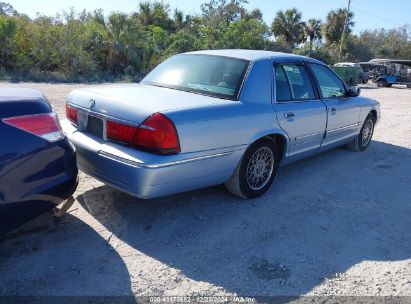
x=353 y=91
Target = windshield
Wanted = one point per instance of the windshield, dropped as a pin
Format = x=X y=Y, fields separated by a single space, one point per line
x=210 y=75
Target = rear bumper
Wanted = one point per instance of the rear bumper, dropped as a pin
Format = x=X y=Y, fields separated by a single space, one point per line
x=146 y=175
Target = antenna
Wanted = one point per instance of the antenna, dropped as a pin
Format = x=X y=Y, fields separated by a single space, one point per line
x=344 y=30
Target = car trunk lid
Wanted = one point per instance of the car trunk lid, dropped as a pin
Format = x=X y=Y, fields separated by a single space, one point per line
x=133 y=103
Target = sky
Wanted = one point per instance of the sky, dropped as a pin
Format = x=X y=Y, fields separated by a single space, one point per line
x=368 y=14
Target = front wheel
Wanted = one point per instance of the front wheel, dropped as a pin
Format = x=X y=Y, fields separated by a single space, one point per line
x=255 y=172
x=363 y=140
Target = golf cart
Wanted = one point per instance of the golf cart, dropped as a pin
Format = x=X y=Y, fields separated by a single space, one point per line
x=387 y=72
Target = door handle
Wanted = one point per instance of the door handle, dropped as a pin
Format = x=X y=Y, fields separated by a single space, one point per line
x=289 y=115
x=332 y=110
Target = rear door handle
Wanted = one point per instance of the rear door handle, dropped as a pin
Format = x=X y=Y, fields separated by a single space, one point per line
x=333 y=110
x=289 y=115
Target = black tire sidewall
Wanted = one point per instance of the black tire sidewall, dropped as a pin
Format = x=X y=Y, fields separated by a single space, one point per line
x=244 y=187
x=360 y=145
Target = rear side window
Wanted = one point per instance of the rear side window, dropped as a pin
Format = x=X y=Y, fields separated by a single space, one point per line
x=282 y=86
x=292 y=83
x=330 y=85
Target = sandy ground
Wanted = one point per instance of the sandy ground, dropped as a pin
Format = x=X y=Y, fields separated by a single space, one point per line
x=335 y=224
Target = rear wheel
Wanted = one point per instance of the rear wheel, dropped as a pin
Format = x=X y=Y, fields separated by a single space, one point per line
x=382 y=83
x=255 y=172
x=363 y=140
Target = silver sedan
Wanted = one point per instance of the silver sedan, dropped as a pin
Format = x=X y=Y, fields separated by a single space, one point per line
x=211 y=117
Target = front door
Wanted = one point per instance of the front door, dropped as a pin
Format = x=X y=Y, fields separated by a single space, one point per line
x=300 y=112
x=343 y=111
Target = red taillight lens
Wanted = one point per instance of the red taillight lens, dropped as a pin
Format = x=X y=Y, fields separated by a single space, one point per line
x=121 y=132
x=71 y=113
x=46 y=126
x=157 y=133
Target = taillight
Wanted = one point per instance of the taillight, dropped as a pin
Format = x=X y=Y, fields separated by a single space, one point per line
x=121 y=132
x=46 y=125
x=157 y=133
x=71 y=113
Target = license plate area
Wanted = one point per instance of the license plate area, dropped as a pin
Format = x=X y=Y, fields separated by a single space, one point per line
x=95 y=126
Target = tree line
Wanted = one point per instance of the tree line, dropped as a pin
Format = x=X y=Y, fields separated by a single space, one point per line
x=90 y=46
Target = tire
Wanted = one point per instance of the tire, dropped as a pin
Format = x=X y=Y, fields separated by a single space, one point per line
x=358 y=144
x=242 y=184
x=381 y=83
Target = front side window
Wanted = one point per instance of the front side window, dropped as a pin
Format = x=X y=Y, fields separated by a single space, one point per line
x=330 y=85
x=209 y=75
x=293 y=83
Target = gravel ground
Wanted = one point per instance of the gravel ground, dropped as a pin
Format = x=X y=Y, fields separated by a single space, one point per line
x=335 y=224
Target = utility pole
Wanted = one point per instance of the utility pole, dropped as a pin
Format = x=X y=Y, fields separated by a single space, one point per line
x=345 y=29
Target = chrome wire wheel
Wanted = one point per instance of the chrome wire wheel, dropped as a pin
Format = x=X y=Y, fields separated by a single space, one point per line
x=367 y=131
x=260 y=168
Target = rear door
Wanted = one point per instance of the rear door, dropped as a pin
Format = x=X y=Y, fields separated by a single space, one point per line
x=343 y=111
x=299 y=109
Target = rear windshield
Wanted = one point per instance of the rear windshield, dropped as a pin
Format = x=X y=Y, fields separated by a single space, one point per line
x=204 y=74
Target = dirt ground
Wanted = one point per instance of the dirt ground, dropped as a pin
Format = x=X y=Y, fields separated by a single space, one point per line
x=335 y=224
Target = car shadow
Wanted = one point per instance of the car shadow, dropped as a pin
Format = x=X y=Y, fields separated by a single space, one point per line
x=322 y=216
x=368 y=87
x=41 y=261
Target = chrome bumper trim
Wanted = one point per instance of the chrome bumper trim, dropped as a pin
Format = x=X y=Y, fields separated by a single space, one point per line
x=120 y=159
x=160 y=165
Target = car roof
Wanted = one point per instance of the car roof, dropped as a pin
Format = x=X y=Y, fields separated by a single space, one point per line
x=252 y=55
x=7 y=94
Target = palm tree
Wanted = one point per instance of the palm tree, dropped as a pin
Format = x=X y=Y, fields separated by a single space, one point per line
x=145 y=13
x=254 y=14
x=287 y=26
x=334 y=26
x=313 y=31
x=178 y=19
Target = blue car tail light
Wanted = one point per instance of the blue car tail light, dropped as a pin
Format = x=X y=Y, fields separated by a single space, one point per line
x=46 y=125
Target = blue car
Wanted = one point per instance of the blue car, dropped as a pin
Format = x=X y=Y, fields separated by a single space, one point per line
x=38 y=167
x=212 y=117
